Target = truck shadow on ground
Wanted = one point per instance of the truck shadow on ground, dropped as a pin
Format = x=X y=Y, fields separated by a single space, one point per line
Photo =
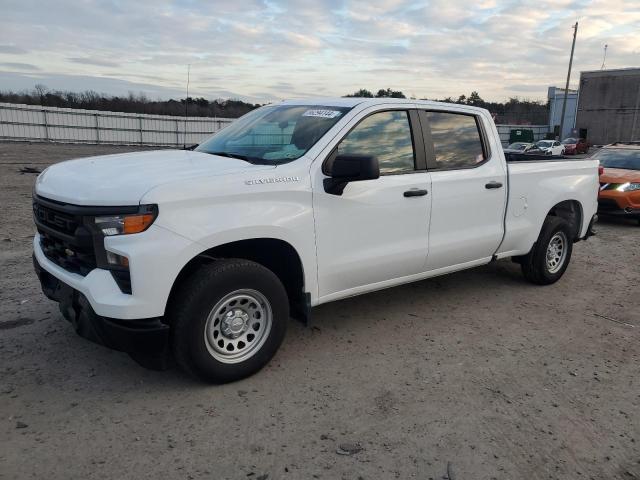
x=341 y=320
x=619 y=221
x=435 y=292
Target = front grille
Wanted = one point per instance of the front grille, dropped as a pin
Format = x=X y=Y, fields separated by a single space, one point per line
x=64 y=239
x=609 y=186
x=56 y=220
x=67 y=256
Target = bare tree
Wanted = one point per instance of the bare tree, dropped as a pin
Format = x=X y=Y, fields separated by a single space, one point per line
x=41 y=92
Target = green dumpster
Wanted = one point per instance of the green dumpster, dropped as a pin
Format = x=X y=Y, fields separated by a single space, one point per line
x=521 y=135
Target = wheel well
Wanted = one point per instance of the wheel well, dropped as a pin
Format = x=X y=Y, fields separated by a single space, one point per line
x=276 y=255
x=571 y=211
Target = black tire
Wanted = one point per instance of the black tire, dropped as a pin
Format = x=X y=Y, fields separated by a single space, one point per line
x=194 y=301
x=534 y=265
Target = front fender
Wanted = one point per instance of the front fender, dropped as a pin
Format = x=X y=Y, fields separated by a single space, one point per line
x=239 y=211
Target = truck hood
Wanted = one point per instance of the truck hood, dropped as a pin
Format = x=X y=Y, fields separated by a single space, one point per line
x=123 y=179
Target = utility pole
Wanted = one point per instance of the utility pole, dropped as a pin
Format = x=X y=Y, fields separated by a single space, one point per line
x=186 y=108
x=566 y=88
x=604 y=57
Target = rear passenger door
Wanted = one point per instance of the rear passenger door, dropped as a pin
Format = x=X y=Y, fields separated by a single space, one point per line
x=468 y=186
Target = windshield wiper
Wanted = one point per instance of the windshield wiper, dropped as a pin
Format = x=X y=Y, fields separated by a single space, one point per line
x=246 y=158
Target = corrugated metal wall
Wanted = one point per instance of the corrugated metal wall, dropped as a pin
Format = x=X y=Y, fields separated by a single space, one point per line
x=66 y=125
x=609 y=105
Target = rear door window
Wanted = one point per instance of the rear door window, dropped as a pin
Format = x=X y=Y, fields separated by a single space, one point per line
x=456 y=140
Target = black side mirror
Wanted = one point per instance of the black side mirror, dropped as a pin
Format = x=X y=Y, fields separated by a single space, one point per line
x=343 y=169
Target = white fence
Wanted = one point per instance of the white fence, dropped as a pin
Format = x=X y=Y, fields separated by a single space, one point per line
x=539 y=132
x=68 y=125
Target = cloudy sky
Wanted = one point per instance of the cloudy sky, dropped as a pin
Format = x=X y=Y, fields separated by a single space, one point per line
x=264 y=50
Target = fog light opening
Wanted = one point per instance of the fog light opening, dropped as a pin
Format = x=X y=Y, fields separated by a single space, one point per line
x=117 y=260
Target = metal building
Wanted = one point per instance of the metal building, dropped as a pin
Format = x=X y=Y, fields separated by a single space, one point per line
x=609 y=106
x=555 y=97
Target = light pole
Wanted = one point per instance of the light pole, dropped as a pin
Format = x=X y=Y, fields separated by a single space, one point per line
x=566 y=88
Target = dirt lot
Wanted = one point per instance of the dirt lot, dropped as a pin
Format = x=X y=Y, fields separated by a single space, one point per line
x=478 y=373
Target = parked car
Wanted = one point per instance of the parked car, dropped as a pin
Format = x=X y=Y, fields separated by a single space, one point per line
x=204 y=254
x=573 y=146
x=534 y=149
x=620 y=180
x=550 y=147
x=517 y=147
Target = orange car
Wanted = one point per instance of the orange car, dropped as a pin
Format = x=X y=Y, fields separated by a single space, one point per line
x=620 y=180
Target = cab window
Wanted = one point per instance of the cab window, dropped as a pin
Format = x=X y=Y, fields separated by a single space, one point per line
x=385 y=135
x=456 y=140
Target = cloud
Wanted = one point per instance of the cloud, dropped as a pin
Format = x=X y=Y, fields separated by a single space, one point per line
x=262 y=49
x=93 y=61
x=526 y=87
x=77 y=83
x=19 y=66
x=12 y=49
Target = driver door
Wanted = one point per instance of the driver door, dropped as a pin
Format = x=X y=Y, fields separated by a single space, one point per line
x=376 y=231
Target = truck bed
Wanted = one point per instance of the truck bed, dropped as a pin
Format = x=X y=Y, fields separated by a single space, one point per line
x=535 y=157
x=536 y=185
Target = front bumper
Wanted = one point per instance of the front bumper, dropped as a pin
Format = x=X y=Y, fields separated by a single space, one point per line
x=155 y=259
x=147 y=340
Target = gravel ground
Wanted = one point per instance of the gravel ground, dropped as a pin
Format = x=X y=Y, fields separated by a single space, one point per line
x=475 y=375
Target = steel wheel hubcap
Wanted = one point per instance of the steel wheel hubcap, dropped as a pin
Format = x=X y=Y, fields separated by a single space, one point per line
x=238 y=325
x=556 y=252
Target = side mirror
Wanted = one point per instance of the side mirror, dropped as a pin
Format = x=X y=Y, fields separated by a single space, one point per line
x=343 y=169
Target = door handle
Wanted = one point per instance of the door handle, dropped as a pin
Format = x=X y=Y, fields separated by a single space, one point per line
x=414 y=192
x=492 y=185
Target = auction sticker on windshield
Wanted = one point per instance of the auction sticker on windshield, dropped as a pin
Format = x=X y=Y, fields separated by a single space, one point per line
x=322 y=113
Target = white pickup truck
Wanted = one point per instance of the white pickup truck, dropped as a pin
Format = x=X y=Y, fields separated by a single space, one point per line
x=201 y=255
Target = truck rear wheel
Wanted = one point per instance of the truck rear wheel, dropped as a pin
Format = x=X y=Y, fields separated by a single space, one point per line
x=550 y=255
x=228 y=320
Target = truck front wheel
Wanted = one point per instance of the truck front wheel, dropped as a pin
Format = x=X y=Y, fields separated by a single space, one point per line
x=228 y=320
x=550 y=255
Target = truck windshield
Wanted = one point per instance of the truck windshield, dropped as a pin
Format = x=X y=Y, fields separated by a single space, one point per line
x=274 y=134
x=628 y=159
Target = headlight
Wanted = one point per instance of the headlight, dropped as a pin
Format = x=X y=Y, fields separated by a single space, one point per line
x=126 y=224
x=628 y=187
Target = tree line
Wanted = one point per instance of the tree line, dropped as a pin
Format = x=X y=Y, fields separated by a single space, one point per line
x=513 y=111
x=132 y=103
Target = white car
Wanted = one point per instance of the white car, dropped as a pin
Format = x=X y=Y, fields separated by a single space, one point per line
x=550 y=147
x=203 y=255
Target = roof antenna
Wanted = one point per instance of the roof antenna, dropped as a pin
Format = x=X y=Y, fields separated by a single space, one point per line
x=604 y=58
x=186 y=109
